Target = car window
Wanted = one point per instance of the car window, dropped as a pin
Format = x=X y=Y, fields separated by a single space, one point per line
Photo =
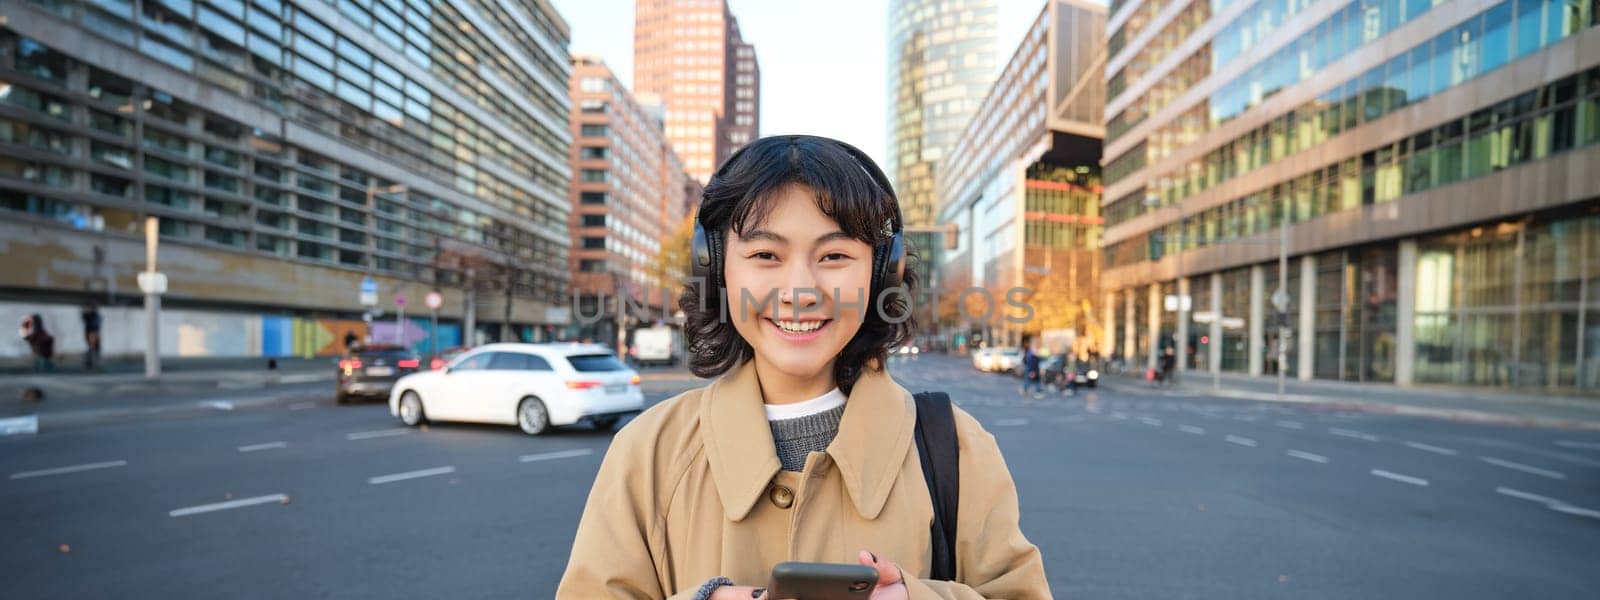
x=591 y=363
x=508 y=361
x=390 y=354
x=536 y=363
x=476 y=362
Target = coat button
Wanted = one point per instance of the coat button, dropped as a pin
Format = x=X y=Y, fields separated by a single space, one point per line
x=781 y=497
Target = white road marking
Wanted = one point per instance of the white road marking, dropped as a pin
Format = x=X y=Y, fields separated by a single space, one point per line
x=302 y=405
x=240 y=503
x=1010 y=422
x=411 y=475
x=1400 y=478
x=1527 y=496
x=555 y=455
x=71 y=469
x=1551 y=503
x=1242 y=441
x=1524 y=468
x=367 y=435
x=1116 y=416
x=1152 y=421
x=1291 y=425
x=218 y=404
x=266 y=446
x=1578 y=445
x=1433 y=449
x=1351 y=433
x=1191 y=429
x=1316 y=458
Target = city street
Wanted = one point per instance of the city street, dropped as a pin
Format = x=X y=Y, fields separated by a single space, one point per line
x=1131 y=492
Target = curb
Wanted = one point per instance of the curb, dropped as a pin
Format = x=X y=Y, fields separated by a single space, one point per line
x=49 y=422
x=1410 y=410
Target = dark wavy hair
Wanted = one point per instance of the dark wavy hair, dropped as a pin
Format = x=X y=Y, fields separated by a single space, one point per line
x=740 y=198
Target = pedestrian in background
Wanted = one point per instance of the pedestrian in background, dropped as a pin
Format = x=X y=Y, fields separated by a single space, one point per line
x=40 y=343
x=91 y=337
x=1031 y=381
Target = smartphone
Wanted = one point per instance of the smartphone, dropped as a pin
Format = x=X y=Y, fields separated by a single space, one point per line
x=821 y=581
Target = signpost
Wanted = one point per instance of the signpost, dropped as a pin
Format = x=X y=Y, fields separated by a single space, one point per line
x=434 y=300
x=369 y=292
x=400 y=318
x=153 y=284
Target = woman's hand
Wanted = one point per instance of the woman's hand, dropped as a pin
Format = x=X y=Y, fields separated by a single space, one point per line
x=891 y=582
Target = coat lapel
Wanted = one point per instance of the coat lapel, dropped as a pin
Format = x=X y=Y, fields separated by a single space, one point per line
x=875 y=434
x=738 y=440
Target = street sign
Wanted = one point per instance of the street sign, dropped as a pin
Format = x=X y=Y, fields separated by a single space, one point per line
x=400 y=300
x=1280 y=300
x=434 y=300
x=1172 y=301
x=369 y=292
x=152 y=283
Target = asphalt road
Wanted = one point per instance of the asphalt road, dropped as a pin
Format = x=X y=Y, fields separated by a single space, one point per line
x=1130 y=492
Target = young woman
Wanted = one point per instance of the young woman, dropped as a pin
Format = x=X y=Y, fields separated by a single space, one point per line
x=801 y=449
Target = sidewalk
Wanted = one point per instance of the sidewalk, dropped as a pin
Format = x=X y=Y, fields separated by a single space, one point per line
x=77 y=397
x=1506 y=407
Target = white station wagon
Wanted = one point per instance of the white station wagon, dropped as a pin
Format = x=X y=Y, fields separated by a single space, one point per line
x=533 y=386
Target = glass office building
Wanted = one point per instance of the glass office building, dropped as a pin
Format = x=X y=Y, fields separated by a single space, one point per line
x=1434 y=163
x=941 y=64
x=290 y=148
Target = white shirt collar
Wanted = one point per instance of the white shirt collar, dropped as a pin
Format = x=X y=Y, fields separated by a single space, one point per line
x=826 y=402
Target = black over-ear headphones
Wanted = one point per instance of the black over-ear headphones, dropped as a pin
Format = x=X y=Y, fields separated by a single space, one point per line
x=888 y=259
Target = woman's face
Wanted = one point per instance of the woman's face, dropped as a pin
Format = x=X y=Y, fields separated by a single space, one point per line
x=798 y=287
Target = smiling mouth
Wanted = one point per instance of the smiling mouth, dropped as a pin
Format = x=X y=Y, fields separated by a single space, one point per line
x=799 y=327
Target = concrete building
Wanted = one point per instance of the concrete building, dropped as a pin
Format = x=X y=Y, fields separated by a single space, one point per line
x=941 y=61
x=628 y=192
x=690 y=56
x=1020 y=187
x=1428 y=169
x=290 y=149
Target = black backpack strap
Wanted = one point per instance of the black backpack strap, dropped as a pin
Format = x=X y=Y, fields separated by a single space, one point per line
x=940 y=452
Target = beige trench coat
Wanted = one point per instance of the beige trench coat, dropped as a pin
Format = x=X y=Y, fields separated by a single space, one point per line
x=693 y=489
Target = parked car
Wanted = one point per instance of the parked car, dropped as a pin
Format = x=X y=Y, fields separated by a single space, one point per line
x=532 y=386
x=371 y=371
x=1008 y=360
x=983 y=359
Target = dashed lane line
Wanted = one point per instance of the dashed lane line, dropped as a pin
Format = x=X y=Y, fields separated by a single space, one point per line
x=1431 y=448
x=382 y=479
x=71 y=469
x=574 y=453
x=1530 y=469
x=231 y=504
x=266 y=446
x=1191 y=429
x=1316 y=458
x=1242 y=441
x=367 y=435
x=1400 y=478
x=1351 y=433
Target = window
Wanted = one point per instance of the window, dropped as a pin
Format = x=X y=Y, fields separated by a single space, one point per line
x=594 y=220
x=592 y=198
x=517 y=361
x=594 y=131
x=595 y=363
x=592 y=152
x=595 y=175
x=474 y=362
x=594 y=243
x=592 y=265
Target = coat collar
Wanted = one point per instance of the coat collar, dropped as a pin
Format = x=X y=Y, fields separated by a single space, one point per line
x=874 y=435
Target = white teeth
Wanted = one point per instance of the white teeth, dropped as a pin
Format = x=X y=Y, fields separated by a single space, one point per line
x=798 y=326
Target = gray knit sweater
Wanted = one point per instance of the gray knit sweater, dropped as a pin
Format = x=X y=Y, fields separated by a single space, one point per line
x=798 y=437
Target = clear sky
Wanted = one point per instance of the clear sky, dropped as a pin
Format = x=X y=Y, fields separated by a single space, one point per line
x=822 y=61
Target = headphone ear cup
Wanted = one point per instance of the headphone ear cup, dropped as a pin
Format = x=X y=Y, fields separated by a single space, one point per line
x=700 y=255
x=890 y=269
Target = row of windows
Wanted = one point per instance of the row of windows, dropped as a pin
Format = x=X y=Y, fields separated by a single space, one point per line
x=1552 y=118
x=1478 y=45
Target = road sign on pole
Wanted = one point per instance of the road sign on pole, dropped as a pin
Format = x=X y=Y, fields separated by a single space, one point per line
x=1280 y=300
x=369 y=292
x=434 y=300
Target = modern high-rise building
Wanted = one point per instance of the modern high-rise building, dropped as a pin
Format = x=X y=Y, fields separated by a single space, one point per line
x=1426 y=173
x=290 y=149
x=690 y=55
x=628 y=192
x=1019 y=188
x=941 y=63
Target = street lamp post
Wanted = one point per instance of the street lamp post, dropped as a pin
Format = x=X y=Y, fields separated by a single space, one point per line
x=372 y=232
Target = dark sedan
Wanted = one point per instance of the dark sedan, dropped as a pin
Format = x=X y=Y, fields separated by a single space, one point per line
x=370 y=372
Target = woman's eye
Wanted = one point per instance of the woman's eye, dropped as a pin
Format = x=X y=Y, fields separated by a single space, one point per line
x=764 y=255
x=835 y=256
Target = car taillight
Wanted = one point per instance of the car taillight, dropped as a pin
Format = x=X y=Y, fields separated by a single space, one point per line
x=349 y=365
x=438 y=363
x=409 y=363
x=582 y=385
x=635 y=380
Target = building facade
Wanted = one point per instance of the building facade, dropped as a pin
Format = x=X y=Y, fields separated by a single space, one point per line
x=1424 y=170
x=628 y=192
x=941 y=61
x=689 y=55
x=290 y=149
x=743 y=105
x=1020 y=187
